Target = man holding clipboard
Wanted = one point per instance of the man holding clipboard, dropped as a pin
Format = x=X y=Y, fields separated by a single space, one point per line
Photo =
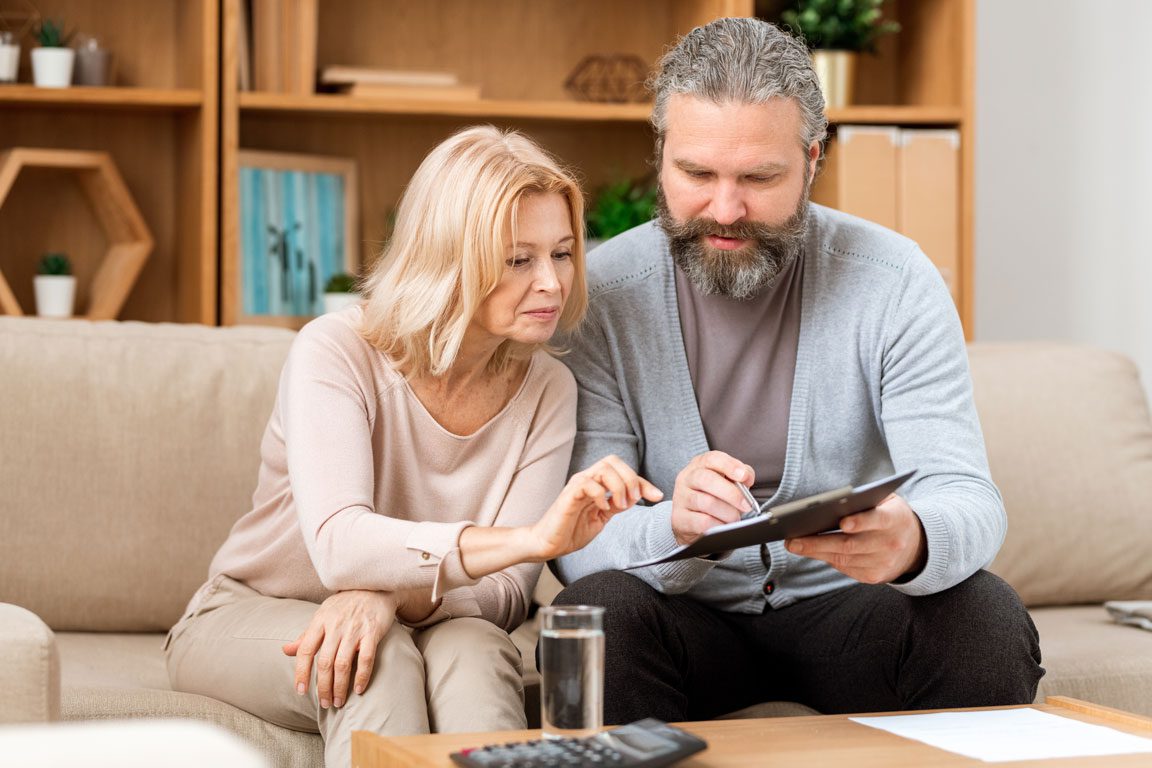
x=749 y=340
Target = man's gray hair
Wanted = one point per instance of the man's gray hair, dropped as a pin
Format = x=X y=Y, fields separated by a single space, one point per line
x=740 y=60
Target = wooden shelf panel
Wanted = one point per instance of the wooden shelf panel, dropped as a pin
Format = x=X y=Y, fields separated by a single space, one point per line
x=885 y=115
x=254 y=101
x=111 y=98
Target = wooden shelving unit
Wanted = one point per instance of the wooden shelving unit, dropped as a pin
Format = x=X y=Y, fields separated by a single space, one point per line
x=519 y=52
x=574 y=111
x=113 y=98
x=886 y=115
x=158 y=123
x=176 y=120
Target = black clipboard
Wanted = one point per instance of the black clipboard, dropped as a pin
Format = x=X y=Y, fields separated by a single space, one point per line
x=803 y=517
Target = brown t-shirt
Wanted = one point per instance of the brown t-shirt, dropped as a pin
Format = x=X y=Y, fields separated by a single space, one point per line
x=742 y=357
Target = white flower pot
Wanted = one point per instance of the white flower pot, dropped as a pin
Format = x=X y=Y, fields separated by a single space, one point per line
x=55 y=295
x=52 y=67
x=9 y=61
x=334 y=302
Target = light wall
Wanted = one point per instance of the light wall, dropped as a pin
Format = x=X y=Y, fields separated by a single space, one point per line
x=1063 y=234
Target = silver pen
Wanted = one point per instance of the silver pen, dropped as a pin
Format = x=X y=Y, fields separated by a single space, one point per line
x=755 y=510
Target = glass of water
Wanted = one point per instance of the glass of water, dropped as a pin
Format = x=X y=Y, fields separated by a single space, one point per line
x=571 y=670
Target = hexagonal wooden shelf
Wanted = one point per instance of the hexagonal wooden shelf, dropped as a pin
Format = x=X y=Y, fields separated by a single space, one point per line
x=129 y=239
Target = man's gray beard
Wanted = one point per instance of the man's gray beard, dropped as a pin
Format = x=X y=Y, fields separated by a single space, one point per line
x=739 y=274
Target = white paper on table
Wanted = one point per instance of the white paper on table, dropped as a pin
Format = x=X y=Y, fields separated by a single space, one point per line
x=1004 y=735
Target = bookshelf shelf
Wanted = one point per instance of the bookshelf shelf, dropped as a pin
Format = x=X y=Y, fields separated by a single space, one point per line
x=321 y=104
x=885 y=115
x=110 y=98
x=507 y=108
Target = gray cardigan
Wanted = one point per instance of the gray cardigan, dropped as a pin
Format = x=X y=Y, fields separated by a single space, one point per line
x=881 y=385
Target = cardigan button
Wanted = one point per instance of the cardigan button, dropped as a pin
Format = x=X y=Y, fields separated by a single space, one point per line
x=769 y=587
x=424 y=555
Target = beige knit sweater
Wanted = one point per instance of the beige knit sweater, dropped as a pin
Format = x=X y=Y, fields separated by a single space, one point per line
x=360 y=488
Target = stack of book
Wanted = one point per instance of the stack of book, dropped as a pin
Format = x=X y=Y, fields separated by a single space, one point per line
x=374 y=83
x=277 y=50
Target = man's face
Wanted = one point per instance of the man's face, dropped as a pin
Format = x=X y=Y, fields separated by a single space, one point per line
x=734 y=191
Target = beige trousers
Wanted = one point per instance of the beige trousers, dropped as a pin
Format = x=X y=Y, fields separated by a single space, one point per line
x=462 y=675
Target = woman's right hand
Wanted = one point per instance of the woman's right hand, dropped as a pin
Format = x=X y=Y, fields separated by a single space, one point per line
x=346 y=628
x=584 y=506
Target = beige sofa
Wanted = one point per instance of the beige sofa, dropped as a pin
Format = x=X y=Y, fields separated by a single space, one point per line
x=127 y=451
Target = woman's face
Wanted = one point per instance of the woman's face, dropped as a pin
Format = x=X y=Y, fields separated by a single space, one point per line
x=538 y=272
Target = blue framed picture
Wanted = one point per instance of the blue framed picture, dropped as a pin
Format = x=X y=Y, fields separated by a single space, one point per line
x=298 y=224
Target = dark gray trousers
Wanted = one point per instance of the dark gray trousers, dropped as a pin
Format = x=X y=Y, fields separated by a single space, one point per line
x=867 y=648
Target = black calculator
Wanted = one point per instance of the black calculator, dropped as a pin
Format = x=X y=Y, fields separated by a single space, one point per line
x=648 y=743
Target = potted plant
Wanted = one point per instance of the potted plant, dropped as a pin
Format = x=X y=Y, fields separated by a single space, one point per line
x=619 y=207
x=837 y=31
x=55 y=286
x=340 y=292
x=52 y=61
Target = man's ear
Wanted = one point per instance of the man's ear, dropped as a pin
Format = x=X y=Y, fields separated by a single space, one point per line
x=813 y=156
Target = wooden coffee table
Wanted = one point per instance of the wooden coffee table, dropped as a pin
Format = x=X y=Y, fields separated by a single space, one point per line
x=824 y=741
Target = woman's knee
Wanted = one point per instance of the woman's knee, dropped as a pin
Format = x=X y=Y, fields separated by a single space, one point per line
x=467 y=640
x=474 y=677
x=393 y=703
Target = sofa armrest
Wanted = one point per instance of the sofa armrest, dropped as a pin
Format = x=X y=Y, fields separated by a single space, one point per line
x=30 y=673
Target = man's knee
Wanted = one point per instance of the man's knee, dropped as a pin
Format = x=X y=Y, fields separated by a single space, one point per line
x=981 y=627
x=625 y=598
x=606 y=588
x=984 y=607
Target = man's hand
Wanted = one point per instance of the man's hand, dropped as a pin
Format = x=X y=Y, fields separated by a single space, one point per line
x=877 y=546
x=705 y=496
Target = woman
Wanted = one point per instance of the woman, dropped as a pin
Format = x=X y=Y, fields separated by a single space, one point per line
x=412 y=476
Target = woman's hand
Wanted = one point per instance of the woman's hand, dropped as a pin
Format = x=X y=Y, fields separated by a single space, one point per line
x=346 y=629
x=584 y=507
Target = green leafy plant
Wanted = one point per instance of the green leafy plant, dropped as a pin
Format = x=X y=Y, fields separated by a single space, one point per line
x=839 y=25
x=340 y=283
x=51 y=34
x=620 y=206
x=54 y=264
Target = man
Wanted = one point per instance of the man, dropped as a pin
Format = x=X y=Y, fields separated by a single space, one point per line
x=751 y=337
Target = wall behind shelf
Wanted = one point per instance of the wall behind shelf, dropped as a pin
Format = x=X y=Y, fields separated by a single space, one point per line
x=1064 y=175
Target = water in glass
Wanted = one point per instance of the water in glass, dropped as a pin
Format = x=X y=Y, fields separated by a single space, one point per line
x=572 y=678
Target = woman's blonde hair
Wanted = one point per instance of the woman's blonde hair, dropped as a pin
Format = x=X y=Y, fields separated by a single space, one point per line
x=449 y=247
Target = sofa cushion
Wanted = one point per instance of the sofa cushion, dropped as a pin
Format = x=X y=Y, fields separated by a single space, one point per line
x=118 y=676
x=129 y=451
x=1070 y=447
x=30 y=682
x=112 y=660
x=1088 y=656
x=282 y=747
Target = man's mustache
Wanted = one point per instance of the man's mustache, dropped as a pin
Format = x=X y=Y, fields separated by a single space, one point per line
x=739 y=230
